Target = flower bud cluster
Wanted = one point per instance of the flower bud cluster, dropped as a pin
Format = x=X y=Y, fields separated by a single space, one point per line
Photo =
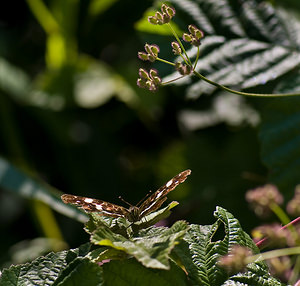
x=280 y=267
x=151 y=53
x=163 y=17
x=235 y=260
x=262 y=198
x=150 y=81
x=194 y=37
x=277 y=235
x=293 y=207
x=183 y=69
x=176 y=48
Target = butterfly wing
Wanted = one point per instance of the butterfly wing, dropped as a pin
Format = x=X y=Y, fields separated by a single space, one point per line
x=153 y=202
x=94 y=205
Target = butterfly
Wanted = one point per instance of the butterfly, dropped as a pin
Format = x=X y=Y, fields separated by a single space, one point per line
x=134 y=213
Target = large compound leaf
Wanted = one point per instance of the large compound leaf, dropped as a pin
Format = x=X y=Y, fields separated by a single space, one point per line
x=204 y=245
x=246 y=44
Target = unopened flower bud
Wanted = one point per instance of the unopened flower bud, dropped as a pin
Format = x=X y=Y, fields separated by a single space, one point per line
x=143 y=56
x=159 y=17
x=192 y=29
x=199 y=34
x=153 y=20
x=168 y=10
x=141 y=83
x=176 y=48
x=151 y=55
x=183 y=69
x=151 y=58
x=194 y=37
x=150 y=81
x=143 y=74
x=163 y=17
x=154 y=49
x=153 y=73
x=187 y=37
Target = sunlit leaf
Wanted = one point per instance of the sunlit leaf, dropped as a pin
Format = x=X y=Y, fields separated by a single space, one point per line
x=18 y=182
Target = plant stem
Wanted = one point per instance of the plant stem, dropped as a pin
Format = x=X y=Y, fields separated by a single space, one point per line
x=166 y=82
x=165 y=61
x=197 y=58
x=244 y=93
x=291 y=225
x=276 y=209
x=273 y=254
x=187 y=60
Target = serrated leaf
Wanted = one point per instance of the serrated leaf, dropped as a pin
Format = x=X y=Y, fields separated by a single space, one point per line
x=280 y=137
x=42 y=271
x=62 y=268
x=252 y=279
x=202 y=248
x=155 y=217
x=84 y=273
x=246 y=43
x=151 y=247
x=130 y=272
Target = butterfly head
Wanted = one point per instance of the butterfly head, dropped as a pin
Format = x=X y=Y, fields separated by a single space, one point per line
x=133 y=214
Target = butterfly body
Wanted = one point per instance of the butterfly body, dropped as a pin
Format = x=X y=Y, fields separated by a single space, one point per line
x=133 y=213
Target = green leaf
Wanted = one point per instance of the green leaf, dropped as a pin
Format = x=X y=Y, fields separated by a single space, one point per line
x=62 y=268
x=20 y=183
x=84 y=272
x=42 y=271
x=121 y=225
x=280 y=137
x=155 y=217
x=245 y=45
x=250 y=279
x=118 y=226
x=97 y=7
x=130 y=272
x=14 y=81
x=151 y=246
x=204 y=245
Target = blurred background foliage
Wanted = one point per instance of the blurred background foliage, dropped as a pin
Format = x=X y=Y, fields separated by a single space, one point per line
x=72 y=117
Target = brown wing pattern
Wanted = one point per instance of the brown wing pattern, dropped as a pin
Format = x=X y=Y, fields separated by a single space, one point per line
x=150 y=204
x=94 y=205
x=153 y=202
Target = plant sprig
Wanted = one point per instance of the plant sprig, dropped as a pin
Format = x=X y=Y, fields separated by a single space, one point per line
x=186 y=67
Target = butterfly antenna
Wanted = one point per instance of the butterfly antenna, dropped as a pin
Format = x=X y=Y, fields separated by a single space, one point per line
x=125 y=201
x=144 y=198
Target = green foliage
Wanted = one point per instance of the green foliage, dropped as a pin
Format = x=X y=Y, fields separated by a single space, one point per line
x=20 y=183
x=280 y=137
x=59 y=113
x=250 y=45
x=152 y=255
x=245 y=45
